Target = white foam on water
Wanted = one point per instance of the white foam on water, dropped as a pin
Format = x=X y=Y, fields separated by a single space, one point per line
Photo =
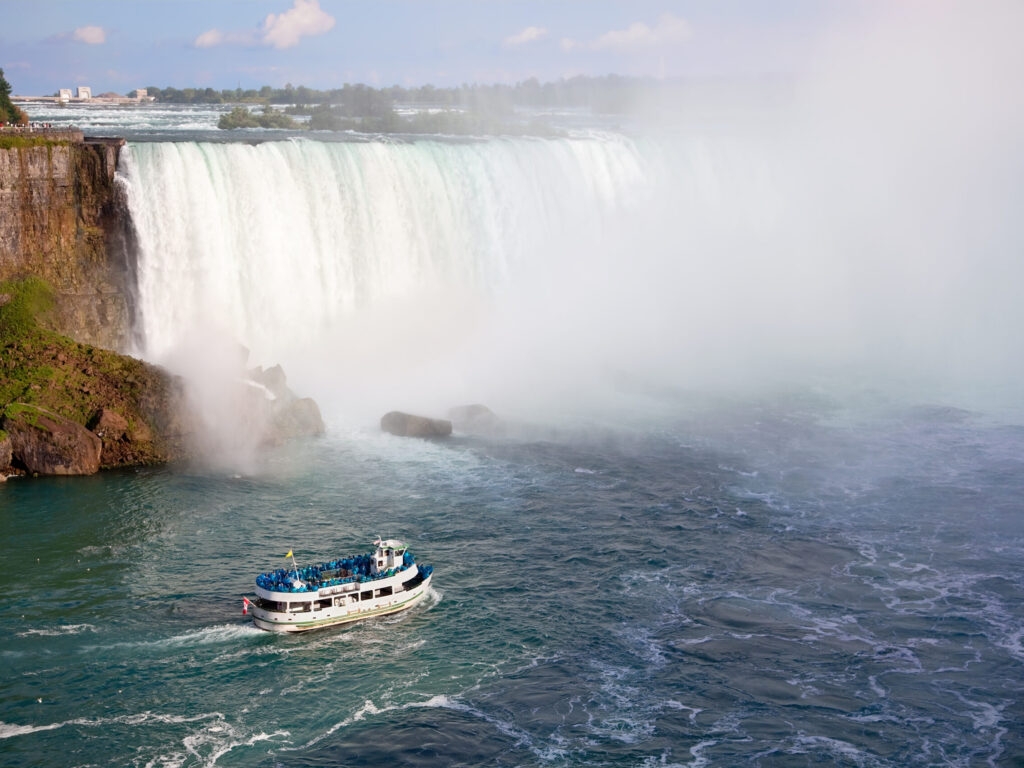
x=694 y=711
x=697 y=752
x=63 y=629
x=8 y=730
x=836 y=748
x=439 y=701
x=222 y=633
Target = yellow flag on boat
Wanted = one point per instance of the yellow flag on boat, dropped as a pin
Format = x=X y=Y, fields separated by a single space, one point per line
x=289 y=553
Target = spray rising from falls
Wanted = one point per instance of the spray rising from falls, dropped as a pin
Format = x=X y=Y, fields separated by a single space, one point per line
x=313 y=253
x=420 y=275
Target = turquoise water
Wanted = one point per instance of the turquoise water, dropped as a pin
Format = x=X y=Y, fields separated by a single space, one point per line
x=768 y=585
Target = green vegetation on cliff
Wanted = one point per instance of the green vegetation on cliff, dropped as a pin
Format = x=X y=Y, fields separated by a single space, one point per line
x=16 y=141
x=21 y=303
x=41 y=368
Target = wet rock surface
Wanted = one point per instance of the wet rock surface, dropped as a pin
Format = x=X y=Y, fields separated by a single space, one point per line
x=410 y=425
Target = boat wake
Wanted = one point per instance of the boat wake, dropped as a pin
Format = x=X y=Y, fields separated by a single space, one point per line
x=222 y=633
x=63 y=629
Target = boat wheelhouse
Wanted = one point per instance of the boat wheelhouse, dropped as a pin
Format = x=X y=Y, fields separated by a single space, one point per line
x=348 y=589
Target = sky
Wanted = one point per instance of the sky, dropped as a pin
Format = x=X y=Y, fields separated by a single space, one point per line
x=114 y=45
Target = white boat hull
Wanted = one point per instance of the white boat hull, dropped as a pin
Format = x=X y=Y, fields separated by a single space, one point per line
x=351 y=608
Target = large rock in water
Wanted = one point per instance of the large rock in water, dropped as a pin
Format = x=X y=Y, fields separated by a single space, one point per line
x=408 y=425
x=48 y=444
x=298 y=418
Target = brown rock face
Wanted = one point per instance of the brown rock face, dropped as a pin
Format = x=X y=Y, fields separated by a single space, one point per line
x=64 y=220
x=5 y=451
x=408 y=425
x=47 y=444
x=108 y=423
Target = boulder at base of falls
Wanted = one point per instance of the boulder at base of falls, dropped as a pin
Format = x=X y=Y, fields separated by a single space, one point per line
x=47 y=444
x=475 y=419
x=124 y=443
x=274 y=380
x=297 y=418
x=408 y=425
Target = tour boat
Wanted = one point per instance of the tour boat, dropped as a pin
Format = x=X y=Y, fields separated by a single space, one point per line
x=340 y=591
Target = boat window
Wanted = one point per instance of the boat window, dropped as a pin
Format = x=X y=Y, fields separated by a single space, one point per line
x=383 y=591
x=414 y=582
x=367 y=595
x=321 y=604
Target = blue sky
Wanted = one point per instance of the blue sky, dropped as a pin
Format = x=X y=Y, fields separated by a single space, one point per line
x=119 y=45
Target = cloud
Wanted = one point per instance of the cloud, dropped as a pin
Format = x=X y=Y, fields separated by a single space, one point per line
x=528 y=35
x=214 y=37
x=281 y=30
x=304 y=19
x=209 y=39
x=90 y=35
x=638 y=36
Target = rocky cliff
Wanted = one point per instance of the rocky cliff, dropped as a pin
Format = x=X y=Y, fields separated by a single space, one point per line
x=63 y=218
x=68 y=404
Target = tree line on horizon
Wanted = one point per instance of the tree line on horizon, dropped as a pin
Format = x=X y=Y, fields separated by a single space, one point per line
x=606 y=94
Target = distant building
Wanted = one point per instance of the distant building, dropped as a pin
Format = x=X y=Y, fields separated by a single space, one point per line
x=84 y=92
x=64 y=94
x=141 y=94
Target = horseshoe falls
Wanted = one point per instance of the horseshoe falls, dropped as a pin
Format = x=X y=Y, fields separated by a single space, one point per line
x=375 y=252
x=532 y=274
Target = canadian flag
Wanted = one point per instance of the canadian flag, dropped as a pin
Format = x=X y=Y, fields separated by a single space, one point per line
x=245 y=605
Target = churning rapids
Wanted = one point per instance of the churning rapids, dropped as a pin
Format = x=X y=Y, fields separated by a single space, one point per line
x=819 y=562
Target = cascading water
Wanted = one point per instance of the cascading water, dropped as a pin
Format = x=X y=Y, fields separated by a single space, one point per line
x=276 y=241
x=450 y=262
x=427 y=273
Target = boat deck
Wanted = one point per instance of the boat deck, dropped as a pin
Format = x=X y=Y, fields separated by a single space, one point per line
x=345 y=570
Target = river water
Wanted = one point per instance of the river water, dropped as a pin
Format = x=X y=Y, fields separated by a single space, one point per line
x=773 y=584
x=635 y=570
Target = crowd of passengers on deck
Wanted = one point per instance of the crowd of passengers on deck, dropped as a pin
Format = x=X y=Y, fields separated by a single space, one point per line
x=314 y=577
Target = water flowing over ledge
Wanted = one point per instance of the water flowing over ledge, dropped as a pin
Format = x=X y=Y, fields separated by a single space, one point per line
x=280 y=239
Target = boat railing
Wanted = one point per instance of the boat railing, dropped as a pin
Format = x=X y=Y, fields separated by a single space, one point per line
x=312 y=578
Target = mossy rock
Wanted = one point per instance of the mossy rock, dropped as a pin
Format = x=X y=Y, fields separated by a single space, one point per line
x=44 y=443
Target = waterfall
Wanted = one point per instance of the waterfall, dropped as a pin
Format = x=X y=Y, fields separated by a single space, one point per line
x=279 y=241
x=439 y=272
